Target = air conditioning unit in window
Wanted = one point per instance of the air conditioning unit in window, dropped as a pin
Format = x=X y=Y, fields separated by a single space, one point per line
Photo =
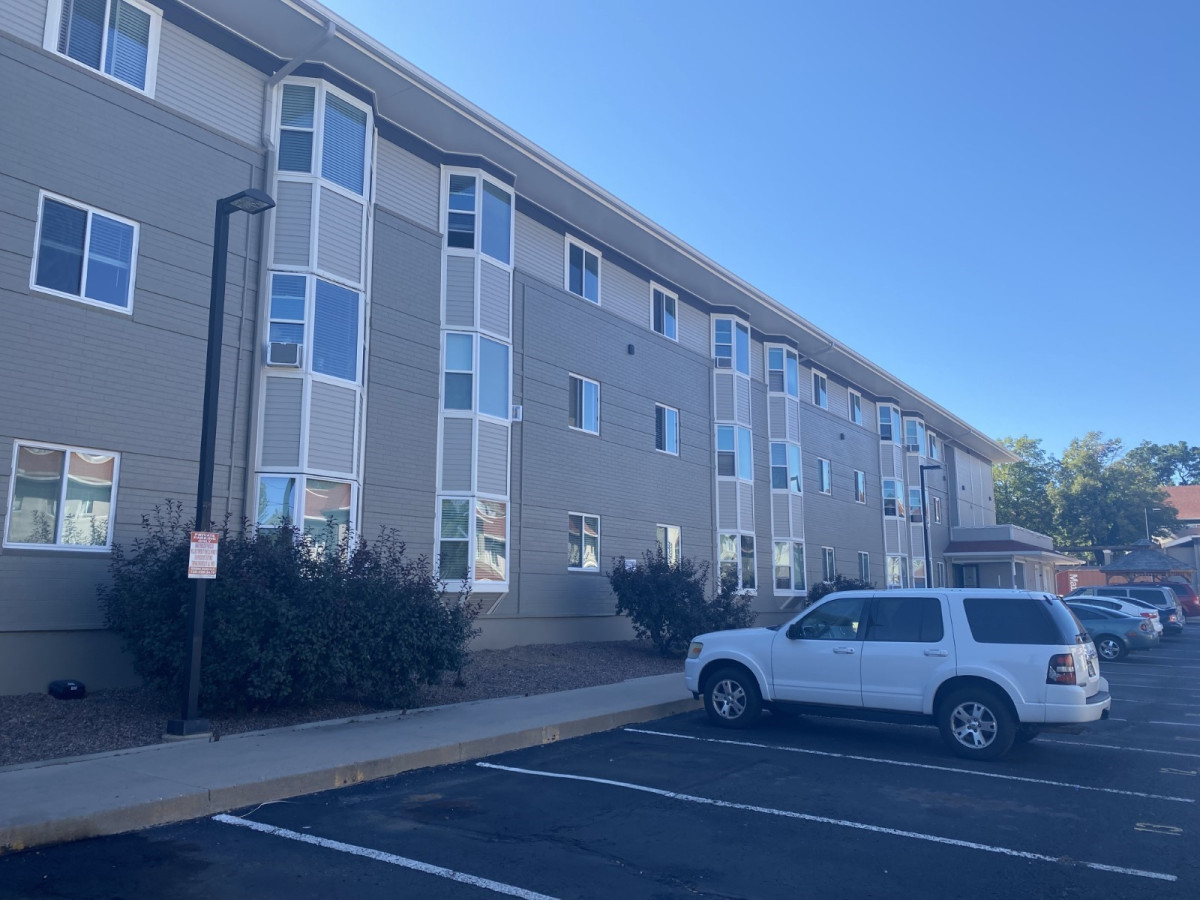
x=283 y=354
x=724 y=362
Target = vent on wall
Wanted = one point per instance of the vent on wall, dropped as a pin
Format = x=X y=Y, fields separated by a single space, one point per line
x=517 y=412
x=283 y=354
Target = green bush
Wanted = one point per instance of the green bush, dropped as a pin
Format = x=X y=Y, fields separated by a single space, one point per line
x=667 y=602
x=289 y=620
x=837 y=583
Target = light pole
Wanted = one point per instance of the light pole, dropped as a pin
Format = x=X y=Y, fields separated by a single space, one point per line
x=1146 y=510
x=925 y=523
x=250 y=201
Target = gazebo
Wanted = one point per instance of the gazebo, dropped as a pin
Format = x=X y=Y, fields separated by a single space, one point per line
x=1147 y=564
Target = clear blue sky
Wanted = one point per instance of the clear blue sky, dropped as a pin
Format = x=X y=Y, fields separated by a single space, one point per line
x=997 y=202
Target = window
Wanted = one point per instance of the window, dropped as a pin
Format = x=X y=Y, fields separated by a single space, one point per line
x=789 y=566
x=84 y=254
x=785 y=468
x=320 y=508
x=343 y=135
x=856 y=415
x=864 y=566
x=665 y=306
x=668 y=537
x=731 y=345
x=493 y=379
x=939 y=569
x=666 y=429
x=906 y=619
x=289 y=304
x=344 y=143
x=897 y=571
x=893 y=501
x=734 y=452
x=455 y=538
x=860 y=486
x=914 y=506
x=583 y=411
x=828 y=568
x=118 y=38
x=918 y=572
x=583 y=542
x=934 y=451
x=889 y=422
x=736 y=558
x=935 y=509
x=837 y=620
x=914 y=435
x=459 y=368
x=1014 y=620
x=824 y=476
x=820 y=390
x=335 y=331
x=61 y=497
x=783 y=371
x=475 y=204
x=297 y=127
x=583 y=271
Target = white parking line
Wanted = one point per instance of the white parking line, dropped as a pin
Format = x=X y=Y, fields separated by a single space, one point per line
x=841 y=823
x=380 y=856
x=1180 y=724
x=1117 y=747
x=911 y=765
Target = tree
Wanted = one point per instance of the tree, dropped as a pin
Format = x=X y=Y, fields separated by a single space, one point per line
x=1172 y=464
x=1022 y=489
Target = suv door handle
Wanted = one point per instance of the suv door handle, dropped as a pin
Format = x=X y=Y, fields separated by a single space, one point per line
x=937 y=653
x=843 y=649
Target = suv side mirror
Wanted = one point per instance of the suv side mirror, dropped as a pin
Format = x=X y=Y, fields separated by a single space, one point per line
x=794 y=631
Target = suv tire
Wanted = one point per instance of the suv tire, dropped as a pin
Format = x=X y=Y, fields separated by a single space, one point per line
x=1111 y=648
x=976 y=724
x=732 y=698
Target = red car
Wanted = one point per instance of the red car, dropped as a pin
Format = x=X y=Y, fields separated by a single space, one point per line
x=1186 y=595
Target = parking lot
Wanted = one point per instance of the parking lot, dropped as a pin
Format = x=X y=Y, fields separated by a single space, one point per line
x=678 y=808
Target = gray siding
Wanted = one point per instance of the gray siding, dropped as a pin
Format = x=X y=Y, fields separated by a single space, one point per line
x=407 y=186
x=741 y=388
x=694 y=330
x=727 y=505
x=293 y=223
x=626 y=295
x=724 y=409
x=460 y=291
x=208 y=84
x=539 y=251
x=745 y=507
x=456 y=454
x=340 y=236
x=495 y=298
x=492 y=471
x=332 y=416
x=283 y=401
x=25 y=19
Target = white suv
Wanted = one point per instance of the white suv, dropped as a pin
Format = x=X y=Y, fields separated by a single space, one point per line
x=988 y=667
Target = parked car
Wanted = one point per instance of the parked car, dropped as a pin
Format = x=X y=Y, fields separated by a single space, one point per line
x=1186 y=595
x=988 y=667
x=1163 y=599
x=1113 y=632
x=1126 y=605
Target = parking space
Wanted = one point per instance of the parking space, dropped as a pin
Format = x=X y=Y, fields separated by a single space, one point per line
x=678 y=808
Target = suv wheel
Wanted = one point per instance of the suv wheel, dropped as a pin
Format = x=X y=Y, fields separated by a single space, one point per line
x=1110 y=647
x=976 y=723
x=732 y=699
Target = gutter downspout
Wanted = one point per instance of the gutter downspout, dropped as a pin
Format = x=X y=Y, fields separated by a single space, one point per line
x=270 y=170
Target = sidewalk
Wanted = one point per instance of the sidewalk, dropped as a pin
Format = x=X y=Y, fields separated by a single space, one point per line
x=108 y=793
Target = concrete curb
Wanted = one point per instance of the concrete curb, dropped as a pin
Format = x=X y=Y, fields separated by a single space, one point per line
x=174 y=800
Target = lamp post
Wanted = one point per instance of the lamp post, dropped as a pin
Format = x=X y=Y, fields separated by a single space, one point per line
x=253 y=202
x=925 y=523
x=1146 y=510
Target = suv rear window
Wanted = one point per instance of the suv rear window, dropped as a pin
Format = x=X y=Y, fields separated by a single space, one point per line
x=1152 y=595
x=1019 y=620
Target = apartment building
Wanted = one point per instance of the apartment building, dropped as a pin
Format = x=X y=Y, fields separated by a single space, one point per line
x=439 y=328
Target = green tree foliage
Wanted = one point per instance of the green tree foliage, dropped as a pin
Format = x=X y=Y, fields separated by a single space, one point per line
x=289 y=620
x=667 y=602
x=837 y=583
x=1172 y=464
x=1095 y=496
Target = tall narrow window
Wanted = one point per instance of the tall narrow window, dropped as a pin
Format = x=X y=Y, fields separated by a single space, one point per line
x=458 y=389
x=460 y=216
x=789 y=566
x=491 y=540
x=583 y=271
x=914 y=507
x=666 y=429
x=734 y=457
x=893 y=501
x=335 y=331
x=939 y=569
x=856 y=415
x=493 y=378
x=860 y=486
x=296 y=127
x=824 y=476
x=745 y=455
x=785 y=468
x=583 y=542
x=820 y=392
x=61 y=497
x=864 y=566
x=749 y=578
x=583 y=410
x=741 y=344
x=889 y=422
x=288 y=305
x=116 y=37
x=496 y=240
x=933 y=452
x=454 y=539
x=344 y=143
x=85 y=254
x=828 y=568
x=669 y=542
x=276 y=502
x=735 y=559
x=723 y=343
x=664 y=311
x=918 y=572
x=914 y=435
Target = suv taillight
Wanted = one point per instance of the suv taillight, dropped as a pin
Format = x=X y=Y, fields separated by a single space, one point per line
x=1061 y=669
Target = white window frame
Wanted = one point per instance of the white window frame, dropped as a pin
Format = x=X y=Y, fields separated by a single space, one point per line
x=655 y=289
x=935 y=509
x=50 y=42
x=824 y=476
x=444 y=220
x=738 y=364
x=933 y=450
x=737 y=545
x=583 y=517
x=308 y=356
x=851 y=409
x=789 y=356
x=67 y=450
x=666 y=420
x=296 y=517
x=828 y=564
x=899 y=498
x=661 y=531
x=792 y=589
x=864 y=566
x=939 y=569
x=915 y=512
x=81 y=297
x=819 y=377
x=894 y=420
x=568 y=242
x=895 y=571
x=738 y=456
x=583 y=394
x=794 y=480
x=918 y=562
x=860 y=486
x=472 y=541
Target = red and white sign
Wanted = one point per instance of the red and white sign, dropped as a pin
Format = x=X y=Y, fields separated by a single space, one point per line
x=202 y=554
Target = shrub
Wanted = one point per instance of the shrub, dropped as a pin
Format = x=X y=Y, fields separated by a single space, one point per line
x=837 y=583
x=667 y=604
x=289 y=620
